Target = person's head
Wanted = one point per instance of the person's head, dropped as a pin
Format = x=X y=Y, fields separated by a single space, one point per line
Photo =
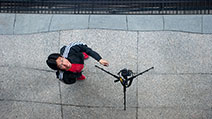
x=55 y=61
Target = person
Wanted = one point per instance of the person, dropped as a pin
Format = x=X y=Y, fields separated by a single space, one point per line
x=70 y=61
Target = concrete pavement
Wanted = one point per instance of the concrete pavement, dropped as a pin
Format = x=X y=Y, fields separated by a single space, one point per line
x=178 y=88
x=41 y=23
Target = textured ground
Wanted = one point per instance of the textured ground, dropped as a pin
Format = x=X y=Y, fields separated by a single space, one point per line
x=178 y=88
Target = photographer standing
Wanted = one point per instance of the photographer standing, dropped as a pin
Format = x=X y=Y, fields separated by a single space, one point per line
x=70 y=62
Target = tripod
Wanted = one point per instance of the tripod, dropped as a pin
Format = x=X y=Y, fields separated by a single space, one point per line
x=124 y=80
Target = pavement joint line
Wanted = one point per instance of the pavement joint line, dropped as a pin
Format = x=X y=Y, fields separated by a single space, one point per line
x=27 y=101
x=202 y=21
x=61 y=99
x=137 y=77
x=52 y=71
x=14 y=25
x=175 y=107
x=180 y=73
x=173 y=73
x=127 y=22
x=170 y=73
x=50 y=23
x=31 y=68
x=89 y=21
x=163 y=22
x=118 y=107
x=59 y=41
x=190 y=32
x=62 y=104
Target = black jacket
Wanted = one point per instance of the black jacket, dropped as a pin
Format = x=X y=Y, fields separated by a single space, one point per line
x=75 y=56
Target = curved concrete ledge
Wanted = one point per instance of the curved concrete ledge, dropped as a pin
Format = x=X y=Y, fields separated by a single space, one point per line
x=38 y=23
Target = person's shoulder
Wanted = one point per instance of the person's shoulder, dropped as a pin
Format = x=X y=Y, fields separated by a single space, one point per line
x=62 y=49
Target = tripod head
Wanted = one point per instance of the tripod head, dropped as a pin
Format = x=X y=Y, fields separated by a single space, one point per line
x=124 y=75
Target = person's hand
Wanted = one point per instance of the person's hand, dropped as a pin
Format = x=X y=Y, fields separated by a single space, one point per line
x=103 y=62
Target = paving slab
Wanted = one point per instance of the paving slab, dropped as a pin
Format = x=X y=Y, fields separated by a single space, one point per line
x=207 y=25
x=173 y=113
x=64 y=22
x=175 y=52
x=98 y=113
x=118 y=47
x=184 y=91
x=28 y=50
x=145 y=22
x=27 y=110
x=108 y=22
x=7 y=23
x=187 y=23
x=29 y=85
x=174 y=96
x=31 y=23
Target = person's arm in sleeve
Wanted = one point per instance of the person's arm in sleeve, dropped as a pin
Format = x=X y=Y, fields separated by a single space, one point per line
x=93 y=54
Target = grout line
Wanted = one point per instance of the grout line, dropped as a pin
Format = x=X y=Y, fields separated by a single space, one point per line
x=137 y=80
x=29 y=68
x=52 y=103
x=190 y=32
x=127 y=22
x=50 y=23
x=155 y=73
x=202 y=24
x=61 y=102
x=163 y=22
x=14 y=25
x=89 y=18
x=59 y=41
x=106 y=107
x=180 y=73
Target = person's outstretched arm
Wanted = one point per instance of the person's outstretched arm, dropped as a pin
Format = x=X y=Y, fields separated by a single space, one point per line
x=93 y=54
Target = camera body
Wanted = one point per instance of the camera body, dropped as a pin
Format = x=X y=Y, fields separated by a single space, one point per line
x=125 y=73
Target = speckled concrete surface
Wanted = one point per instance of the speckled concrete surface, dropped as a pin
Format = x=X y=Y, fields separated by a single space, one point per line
x=178 y=87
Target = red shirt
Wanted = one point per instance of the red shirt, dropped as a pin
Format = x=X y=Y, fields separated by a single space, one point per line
x=76 y=68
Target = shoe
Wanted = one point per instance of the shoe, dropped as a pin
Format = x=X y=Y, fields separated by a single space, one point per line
x=81 y=78
x=85 y=55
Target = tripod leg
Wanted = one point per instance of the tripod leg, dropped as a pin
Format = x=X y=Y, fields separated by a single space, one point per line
x=124 y=97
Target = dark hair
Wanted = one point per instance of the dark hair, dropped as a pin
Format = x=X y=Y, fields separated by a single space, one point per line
x=51 y=61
